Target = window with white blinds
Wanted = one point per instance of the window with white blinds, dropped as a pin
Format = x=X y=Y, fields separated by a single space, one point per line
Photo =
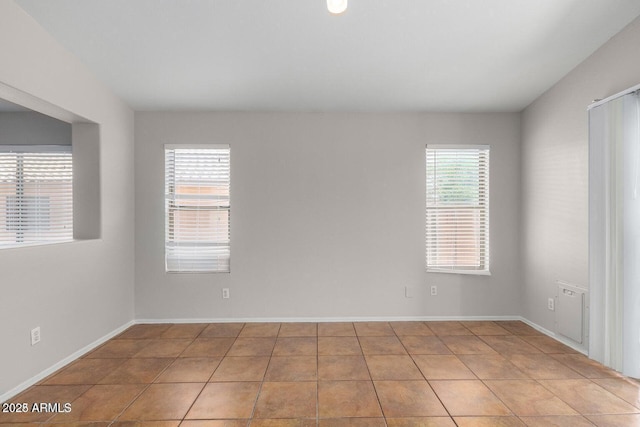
x=457 y=217
x=36 y=195
x=197 y=208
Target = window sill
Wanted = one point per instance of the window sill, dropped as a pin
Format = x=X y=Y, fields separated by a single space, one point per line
x=35 y=245
x=196 y=272
x=31 y=245
x=466 y=272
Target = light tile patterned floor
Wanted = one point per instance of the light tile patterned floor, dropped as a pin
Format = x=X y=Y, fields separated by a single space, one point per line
x=370 y=374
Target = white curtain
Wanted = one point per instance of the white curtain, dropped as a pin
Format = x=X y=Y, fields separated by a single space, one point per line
x=614 y=233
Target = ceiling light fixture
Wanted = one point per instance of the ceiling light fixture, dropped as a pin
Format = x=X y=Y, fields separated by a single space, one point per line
x=336 y=7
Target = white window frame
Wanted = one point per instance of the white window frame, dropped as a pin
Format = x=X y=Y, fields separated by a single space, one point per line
x=438 y=237
x=206 y=251
x=31 y=226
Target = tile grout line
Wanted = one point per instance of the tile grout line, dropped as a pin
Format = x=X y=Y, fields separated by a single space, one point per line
x=167 y=367
x=146 y=385
x=422 y=373
x=375 y=390
x=212 y=373
x=496 y=379
x=95 y=384
x=539 y=381
x=589 y=380
x=255 y=404
x=482 y=381
x=317 y=374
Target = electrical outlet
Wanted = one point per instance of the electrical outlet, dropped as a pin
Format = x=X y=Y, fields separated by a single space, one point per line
x=225 y=293
x=551 y=304
x=35 y=335
x=434 y=290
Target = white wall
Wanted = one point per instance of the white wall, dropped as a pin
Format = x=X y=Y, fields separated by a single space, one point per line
x=555 y=171
x=76 y=292
x=327 y=214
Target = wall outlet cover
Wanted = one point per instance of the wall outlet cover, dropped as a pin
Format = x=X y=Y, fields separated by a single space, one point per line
x=35 y=335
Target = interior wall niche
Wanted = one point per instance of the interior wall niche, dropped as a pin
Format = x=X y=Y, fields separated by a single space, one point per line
x=28 y=121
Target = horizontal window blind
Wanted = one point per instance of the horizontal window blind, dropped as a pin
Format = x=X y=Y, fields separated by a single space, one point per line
x=457 y=211
x=197 y=208
x=36 y=195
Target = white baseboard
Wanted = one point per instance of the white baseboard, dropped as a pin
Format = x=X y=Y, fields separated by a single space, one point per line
x=556 y=337
x=64 y=362
x=330 y=319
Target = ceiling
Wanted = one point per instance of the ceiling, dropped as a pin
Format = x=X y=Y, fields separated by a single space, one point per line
x=292 y=55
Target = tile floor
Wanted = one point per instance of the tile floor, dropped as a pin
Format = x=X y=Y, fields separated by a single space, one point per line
x=398 y=374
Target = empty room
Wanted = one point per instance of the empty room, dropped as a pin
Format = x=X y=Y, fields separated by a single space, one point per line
x=321 y=213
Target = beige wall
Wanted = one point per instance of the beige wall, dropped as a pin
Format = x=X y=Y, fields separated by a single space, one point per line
x=555 y=171
x=33 y=128
x=76 y=292
x=327 y=217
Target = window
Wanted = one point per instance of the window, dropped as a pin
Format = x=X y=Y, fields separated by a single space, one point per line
x=197 y=208
x=36 y=195
x=457 y=226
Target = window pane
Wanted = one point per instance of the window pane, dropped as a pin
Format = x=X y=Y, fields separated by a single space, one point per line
x=457 y=211
x=197 y=209
x=36 y=197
